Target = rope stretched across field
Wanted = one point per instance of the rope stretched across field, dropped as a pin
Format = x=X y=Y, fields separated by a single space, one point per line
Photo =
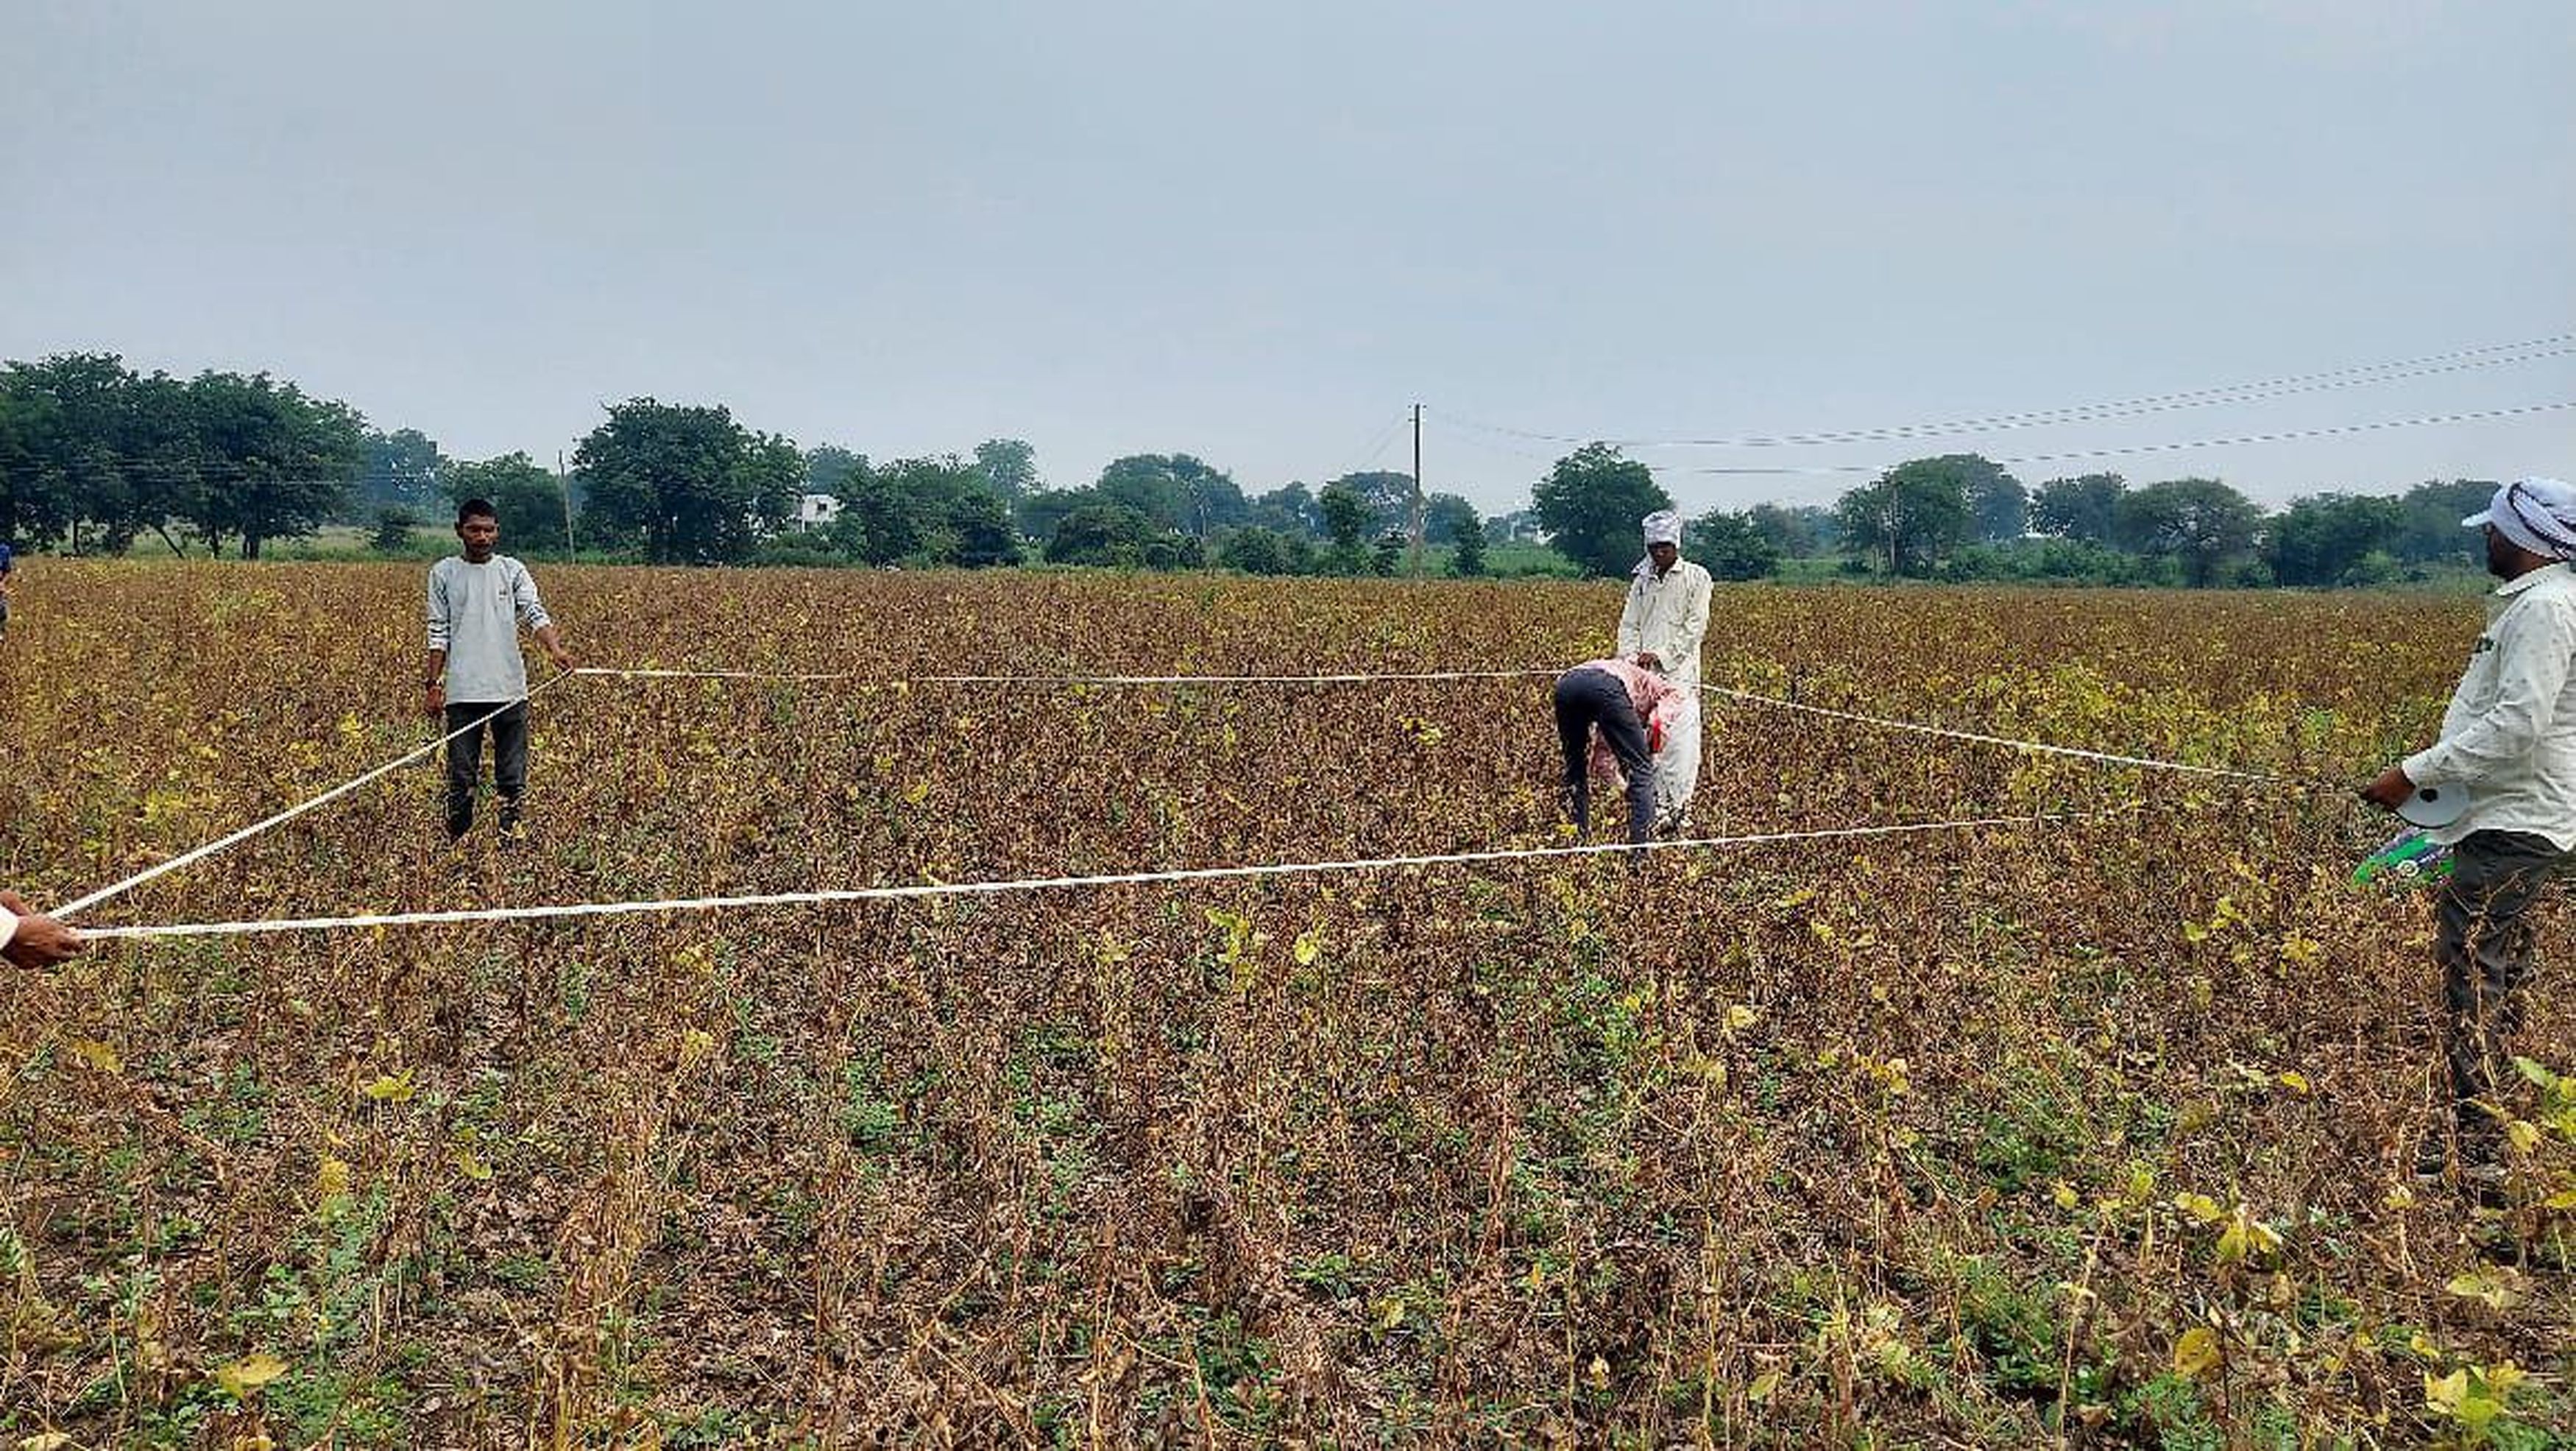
x=1073 y=680
x=922 y=890
x=2033 y=747
x=1065 y=680
x=289 y=814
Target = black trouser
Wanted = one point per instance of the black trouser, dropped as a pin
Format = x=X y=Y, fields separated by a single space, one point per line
x=2483 y=942
x=509 y=725
x=1586 y=699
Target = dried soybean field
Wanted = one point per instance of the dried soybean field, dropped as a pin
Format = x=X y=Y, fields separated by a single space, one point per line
x=2097 y=1129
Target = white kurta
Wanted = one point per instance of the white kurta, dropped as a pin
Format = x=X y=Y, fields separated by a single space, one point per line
x=1667 y=614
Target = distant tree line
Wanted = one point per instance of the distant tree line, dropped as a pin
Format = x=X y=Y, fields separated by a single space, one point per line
x=1963 y=517
x=96 y=457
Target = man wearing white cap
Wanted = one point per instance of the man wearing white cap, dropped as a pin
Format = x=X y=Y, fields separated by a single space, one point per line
x=1660 y=629
x=2509 y=744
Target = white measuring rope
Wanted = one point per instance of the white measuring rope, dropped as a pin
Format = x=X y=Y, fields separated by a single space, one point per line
x=1342 y=679
x=279 y=818
x=2040 y=747
x=289 y=814
x=822 y=896
x=2035 y=747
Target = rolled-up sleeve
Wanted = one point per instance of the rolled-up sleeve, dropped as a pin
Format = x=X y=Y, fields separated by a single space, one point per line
x=523 y=596
x=2533 y=649
x=438 y=620
x=8 y=926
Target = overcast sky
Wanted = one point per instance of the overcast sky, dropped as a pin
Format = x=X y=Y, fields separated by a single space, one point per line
x=1257 y=233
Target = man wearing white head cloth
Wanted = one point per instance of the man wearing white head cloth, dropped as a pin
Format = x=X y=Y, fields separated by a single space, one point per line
x=1660 y=629
x=2509 y=745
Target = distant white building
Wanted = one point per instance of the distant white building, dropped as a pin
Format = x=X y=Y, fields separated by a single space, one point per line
x=814 y=511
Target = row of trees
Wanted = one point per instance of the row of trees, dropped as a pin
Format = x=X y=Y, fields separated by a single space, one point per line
x=1963 y=516
x=93 y=455
x=96 y=456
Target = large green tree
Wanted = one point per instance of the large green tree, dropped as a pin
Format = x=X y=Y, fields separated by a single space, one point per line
x=2085 y=509
x=833 y=470
x=926 y=511
x=1797 y=531
x=94 y=456
x=1592 y=502
x=1100 y=532
x=2434 y=510
x=1911 y=516
x=525 y=494
x=1291 y=510
x=1346 y=516
x=1731 y=546
x=1445 y=517
x=689 y=483
x=1390 y=496
x=1010 y=466
x=1175 y=491
x=2200 y=523
x=2331 y=539
x=277 y=463
x=401 y=470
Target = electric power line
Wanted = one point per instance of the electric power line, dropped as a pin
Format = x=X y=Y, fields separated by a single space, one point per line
x=2468 y=359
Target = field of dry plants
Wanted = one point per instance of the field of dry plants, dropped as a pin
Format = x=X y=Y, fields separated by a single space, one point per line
x=2095 y=1131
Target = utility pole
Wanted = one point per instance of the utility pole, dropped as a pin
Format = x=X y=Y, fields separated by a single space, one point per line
x=1417 y=491
x=563 y=484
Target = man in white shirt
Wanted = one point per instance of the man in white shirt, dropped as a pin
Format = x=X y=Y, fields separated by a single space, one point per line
x=31 y=939
x=2509 y=743
x=476 y=675
x=1660 y=629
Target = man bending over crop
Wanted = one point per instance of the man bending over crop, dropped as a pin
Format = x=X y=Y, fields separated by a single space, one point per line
x=476 y=675
x=2509 y=741
x=1631 y=707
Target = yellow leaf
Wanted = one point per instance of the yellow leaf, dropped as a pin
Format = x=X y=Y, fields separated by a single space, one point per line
x=1741 y=1016
x=695 y=1046
x=918 y=794
x=2445 y=1395
x=2232 y=1243
x=1798 y=898
x=1390 y=1313
x=2493 y=1288
x=46 y=1441
x=2295 y=1082
x=1764 y=1387
x=244 y=1376
x=332 y=1178
x=391 y=1088
x=2065 y=1195
x=2197 y=1352
x=97 y=1055
x=2524 y=1133
x=2200 y=1207
x=1600 y=1373
x=1310 y=946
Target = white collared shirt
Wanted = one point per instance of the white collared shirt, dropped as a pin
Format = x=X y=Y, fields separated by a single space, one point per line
x=1667 y=613
x=2510 y=734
